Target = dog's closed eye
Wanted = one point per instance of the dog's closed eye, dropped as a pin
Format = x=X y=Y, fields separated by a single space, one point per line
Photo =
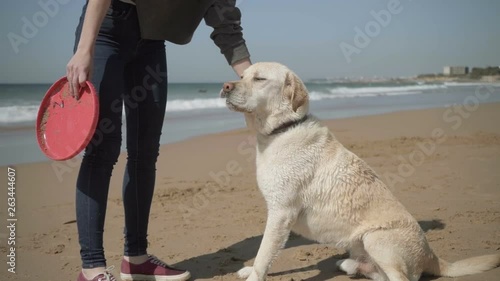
x=259 y=78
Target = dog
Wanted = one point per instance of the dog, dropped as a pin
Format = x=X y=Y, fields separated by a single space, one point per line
x=317 y=188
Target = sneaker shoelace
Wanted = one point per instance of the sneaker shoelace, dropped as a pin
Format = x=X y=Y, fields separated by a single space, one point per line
x=157 y=261
x=107 y=275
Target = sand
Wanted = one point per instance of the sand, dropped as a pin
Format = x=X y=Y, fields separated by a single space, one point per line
x=208 y=215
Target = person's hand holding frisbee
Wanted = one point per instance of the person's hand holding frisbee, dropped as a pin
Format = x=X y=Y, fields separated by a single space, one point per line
x=78 y=71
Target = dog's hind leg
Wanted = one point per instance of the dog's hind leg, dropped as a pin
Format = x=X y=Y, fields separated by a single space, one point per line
x=349 y=266
x=368 y=269
x=359 y=263
x=357 y=256
x=384 y=249
x=278 y=227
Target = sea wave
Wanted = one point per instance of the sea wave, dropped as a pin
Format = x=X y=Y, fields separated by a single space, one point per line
x=194 y=104
x=19 y=114
x=461 y=84
x=345 y=92
x=315 y=96
x=26 y=114
x=383 y=90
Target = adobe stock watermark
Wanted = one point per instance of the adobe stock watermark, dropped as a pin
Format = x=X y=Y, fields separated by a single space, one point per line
x=454 y=116
x=153 y=79
x=31 y=25
x=363 y=37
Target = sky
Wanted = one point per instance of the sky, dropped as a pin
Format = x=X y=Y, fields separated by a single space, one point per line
x=315 y=38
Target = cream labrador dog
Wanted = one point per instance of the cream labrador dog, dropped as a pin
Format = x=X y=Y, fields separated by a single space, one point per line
x=317 y=188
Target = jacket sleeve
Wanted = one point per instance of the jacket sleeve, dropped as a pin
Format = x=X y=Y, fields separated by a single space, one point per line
x=225 y=18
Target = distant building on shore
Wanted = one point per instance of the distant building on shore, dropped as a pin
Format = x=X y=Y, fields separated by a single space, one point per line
x=455 y=70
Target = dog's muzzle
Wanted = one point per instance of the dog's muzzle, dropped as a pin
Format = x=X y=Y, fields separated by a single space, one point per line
x=223 y=94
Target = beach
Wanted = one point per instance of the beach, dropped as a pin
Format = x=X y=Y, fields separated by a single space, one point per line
x=208 y=215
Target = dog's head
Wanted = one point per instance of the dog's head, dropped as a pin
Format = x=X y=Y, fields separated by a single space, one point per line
x=269 y=94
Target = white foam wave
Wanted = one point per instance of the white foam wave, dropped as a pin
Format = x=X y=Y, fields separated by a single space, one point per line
x=321 y=95
x=345 y=92
x=18 y=114
x=383 y=90
x=184 y=105
x=458 y=84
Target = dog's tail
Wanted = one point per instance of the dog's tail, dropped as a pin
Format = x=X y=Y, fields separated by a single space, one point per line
x=440 y=267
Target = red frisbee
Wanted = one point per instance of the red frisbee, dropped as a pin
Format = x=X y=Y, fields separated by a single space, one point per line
x=65 y=125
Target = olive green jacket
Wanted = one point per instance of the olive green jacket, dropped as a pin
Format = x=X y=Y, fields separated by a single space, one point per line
x=177 y=20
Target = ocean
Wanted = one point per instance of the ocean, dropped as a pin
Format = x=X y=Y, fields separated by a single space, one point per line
x=196 y=109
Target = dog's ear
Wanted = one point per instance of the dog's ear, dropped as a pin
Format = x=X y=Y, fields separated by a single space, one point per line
x=295 y=91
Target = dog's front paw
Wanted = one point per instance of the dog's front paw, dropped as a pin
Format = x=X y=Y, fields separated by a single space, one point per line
x=245 y=272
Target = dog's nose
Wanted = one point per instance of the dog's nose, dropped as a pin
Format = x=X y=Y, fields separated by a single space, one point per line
x=228 y=87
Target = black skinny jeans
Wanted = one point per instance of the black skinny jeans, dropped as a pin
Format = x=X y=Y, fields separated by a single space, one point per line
x=128 y=72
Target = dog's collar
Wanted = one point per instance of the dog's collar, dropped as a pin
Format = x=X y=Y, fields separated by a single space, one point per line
x=288 y=125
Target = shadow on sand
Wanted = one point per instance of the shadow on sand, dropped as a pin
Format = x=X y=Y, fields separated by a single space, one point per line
x=232 y=258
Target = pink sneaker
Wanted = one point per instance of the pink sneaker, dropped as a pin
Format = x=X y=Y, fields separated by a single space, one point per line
x=106 y=276
x=153 y=269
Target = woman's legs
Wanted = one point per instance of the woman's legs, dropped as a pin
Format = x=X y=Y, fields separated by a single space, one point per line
x=145 y=102
x=101 y=154
x=132 y=72
x=99 y=158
